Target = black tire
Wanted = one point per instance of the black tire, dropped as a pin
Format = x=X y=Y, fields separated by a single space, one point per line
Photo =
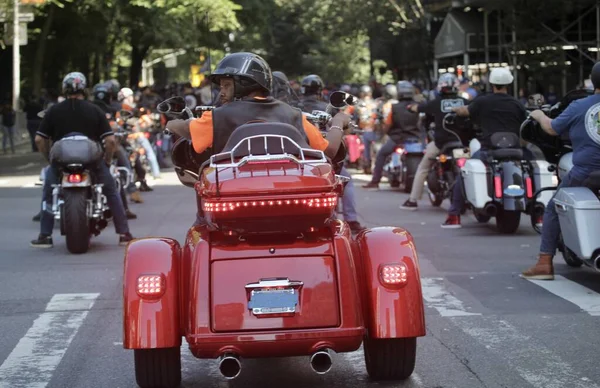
x=568 y=255
x=508 y=222
x=482 y=218
x=391 y=358
x=76 y=223
x=412 y=164
x=158 y=368
x=435 y=199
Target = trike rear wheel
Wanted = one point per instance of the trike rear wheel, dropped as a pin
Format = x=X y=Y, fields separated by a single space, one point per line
x=158 y=368
x=390 y=358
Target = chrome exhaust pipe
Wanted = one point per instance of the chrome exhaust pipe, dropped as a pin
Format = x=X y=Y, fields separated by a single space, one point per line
x=321 y=362
x=230 y=366
x=597 y=263
x=490 y=209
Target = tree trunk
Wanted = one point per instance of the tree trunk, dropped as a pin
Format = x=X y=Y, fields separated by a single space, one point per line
x=40 y=52
x=138 y=53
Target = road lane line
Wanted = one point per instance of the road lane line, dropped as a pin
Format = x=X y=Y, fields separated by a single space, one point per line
x=534 y=362
x=33 y=361
x=436 y=296
x=588 y=300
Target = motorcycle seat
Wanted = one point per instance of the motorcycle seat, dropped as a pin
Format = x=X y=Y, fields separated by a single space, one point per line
x=508 y=154
x=593 y=182
x=273 y=145
x=448 y=147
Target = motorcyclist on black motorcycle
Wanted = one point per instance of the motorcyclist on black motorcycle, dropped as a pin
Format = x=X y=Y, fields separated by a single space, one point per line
x=311 y=100
x=246 y=81
x=496 y=112
x=76 y=115
x=581 y=120
x=435 y=111
x=399 y=124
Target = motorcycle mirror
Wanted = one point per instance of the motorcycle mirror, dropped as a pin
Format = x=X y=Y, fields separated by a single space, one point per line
x=173 y=105
x=341 y=99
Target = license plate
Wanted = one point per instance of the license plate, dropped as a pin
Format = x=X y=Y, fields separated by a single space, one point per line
x=273 y=296
x=277 y=301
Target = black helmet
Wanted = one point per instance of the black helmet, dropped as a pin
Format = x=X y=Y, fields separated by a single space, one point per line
x=596 y=75
x=280 y=75
x=250 y=73
x=74 y=83
x=113 y=87
x=101 y=92
x=390 y=92
x=406 y=90
x=281 y=87
x=312 y=84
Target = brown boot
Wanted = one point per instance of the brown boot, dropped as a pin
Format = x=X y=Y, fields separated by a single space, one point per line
x=542 y=270
x=137 y=197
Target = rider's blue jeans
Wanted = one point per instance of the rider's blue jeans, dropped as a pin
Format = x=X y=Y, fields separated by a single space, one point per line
x=369 y=138
x=102 y=175
x=386 y=150
x=145 y=143
x=349 y=198
x=551 y=226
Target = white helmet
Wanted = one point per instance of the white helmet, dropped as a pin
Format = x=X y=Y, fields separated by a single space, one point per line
x=501 y=76
x=124 y=93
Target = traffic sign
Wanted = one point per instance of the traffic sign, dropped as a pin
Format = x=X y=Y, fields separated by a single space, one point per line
x=23 y=17
x=8 y=34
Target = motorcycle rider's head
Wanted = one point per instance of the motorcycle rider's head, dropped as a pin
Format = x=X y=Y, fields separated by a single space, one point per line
x=500 y=78
x=390 y=92
x=73 y=85
x=595 y=76
x=101 y=93
x=281 y=87
x=365 y=92
x=242 y=75
x=312 y=85
x=113 y=87
x=447 y=84
x=405 y=90
x=125 y=96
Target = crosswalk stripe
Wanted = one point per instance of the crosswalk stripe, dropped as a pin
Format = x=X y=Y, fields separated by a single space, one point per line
x=586 y=299
x=36 y=356
x=437 y=296
x=534 y=362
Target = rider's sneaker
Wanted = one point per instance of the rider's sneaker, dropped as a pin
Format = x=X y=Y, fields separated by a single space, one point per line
x=43 y=241
x=125 y=238
x=355 y=226
x=130 y=215
x=542 y=270
x=371 y=185
x=409 y=205
x=367 y=170
x=37 y=217
x=137 y=197
x=452 y=222
x=144 y=187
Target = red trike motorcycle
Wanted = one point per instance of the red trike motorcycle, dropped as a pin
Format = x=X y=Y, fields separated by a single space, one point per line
x=273 y=273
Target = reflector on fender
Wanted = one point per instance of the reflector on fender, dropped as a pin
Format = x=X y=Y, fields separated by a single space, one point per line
x=151 y=286
x=393 y=274
x=75 y=178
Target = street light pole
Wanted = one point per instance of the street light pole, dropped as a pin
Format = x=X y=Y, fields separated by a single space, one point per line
x=16 y=58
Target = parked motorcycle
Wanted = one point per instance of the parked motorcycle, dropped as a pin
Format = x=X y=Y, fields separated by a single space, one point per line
x=502 y=185
x=78 y=203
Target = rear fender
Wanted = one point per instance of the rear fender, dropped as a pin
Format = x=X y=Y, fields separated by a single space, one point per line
x=391 y=312
x=513 y=187
x=150 y=323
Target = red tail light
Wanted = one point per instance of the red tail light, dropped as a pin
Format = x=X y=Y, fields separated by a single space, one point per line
x=151 y=286
x=75 y=178
x=399 y=150
x=461 y=162
x=498 y=186
x=528 y=187
x=393 y=275
x=322 y=202
x=159 y=143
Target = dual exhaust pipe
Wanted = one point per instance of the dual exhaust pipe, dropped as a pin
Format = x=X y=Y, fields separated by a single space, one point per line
x=231 y=367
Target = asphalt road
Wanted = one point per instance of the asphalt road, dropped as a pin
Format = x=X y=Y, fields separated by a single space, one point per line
x=60 y=314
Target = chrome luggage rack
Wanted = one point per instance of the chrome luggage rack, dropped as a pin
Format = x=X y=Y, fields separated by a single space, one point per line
x=317 y=156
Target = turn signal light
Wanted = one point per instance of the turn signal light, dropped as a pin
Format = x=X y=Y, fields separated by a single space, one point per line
x=75 y=178
x=329 y=201
x=443 y=158
x=529 y=187
x=151 y=286
x=393 y=274
x=399 y=150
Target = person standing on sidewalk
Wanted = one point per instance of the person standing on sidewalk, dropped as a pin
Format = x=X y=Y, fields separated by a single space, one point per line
x=8 y=127
x=32 y=108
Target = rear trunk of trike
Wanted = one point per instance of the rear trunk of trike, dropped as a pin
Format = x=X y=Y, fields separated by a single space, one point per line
x=273 y=273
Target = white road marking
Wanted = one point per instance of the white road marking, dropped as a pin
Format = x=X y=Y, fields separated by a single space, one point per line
x=38 y=353
x=537 y=364
x=24 y=166
x=4 y=181
x=586 y=299
x=436 y=295
x=28 y=185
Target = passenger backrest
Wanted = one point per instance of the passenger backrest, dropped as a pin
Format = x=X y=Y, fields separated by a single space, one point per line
x=505 y=140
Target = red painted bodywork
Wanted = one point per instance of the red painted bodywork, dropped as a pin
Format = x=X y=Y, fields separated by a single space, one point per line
x=341 y=299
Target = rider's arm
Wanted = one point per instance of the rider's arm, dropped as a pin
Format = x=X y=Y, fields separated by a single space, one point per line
x=553 y=127
x=180 y=127
x=43 y=135
x=462 y=111
x=387 y=121
x=105 y=133
x=200 y=131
